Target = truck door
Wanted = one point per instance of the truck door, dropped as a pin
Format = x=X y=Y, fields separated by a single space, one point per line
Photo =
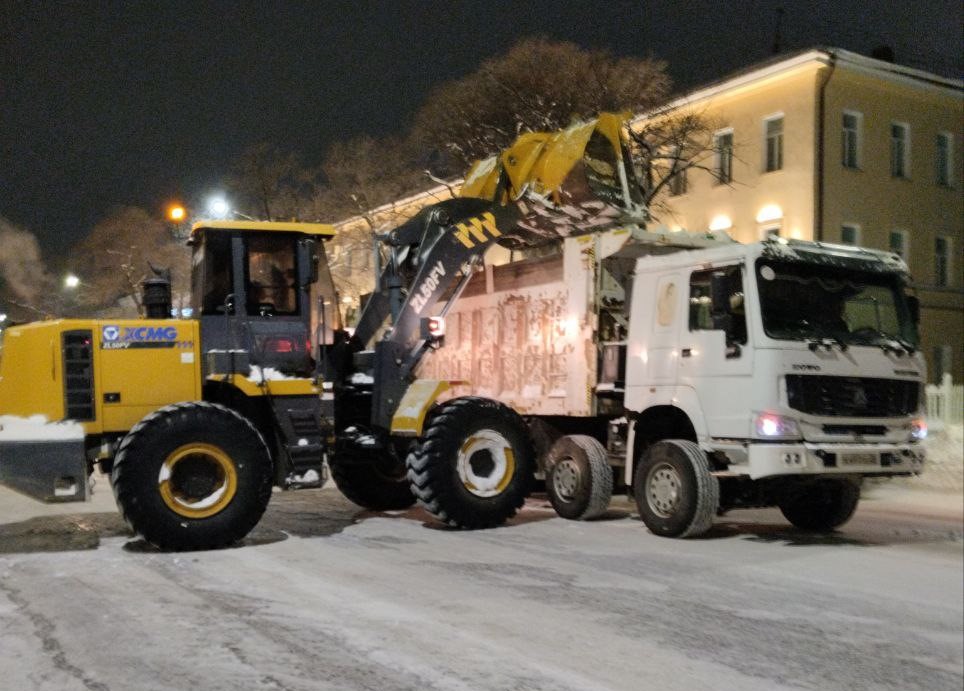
x=716 y=354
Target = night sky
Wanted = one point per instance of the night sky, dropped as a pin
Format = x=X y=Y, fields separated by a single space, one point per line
x=140 y=102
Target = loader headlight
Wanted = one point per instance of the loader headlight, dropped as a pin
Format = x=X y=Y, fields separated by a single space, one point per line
x=772 y=426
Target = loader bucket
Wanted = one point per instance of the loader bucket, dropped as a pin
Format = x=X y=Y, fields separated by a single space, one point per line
x=44 y=461
x=571 y=182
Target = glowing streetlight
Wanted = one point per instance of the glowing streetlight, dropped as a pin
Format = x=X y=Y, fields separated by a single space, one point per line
x=218 y=207
x=71 y=281
x=176 y=213
x=3 y=317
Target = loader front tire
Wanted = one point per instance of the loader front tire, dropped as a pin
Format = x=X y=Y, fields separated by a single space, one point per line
x=377 y=483
x=472 y=467
x=192 y=476
x=675 y=493
x=579 y=481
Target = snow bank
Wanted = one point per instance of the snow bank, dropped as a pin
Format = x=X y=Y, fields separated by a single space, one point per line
x=37 y=428
x=944 y=468
x=267 y=374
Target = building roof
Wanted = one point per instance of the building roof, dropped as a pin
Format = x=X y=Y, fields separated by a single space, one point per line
x=839 y=57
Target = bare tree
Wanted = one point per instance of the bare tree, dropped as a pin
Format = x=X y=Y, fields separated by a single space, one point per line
x=25 y=281
x=272 y=184
x=114 y=258
x=538 y=85
x=666 y=146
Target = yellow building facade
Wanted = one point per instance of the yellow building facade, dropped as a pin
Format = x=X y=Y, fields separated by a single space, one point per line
x=832 y=146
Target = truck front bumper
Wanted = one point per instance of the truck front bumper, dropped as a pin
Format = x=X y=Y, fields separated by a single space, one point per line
x=803 y=458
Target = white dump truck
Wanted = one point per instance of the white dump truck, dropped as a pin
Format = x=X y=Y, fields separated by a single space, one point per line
x=699 y=373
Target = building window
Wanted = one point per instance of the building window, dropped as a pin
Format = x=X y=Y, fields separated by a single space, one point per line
x=899 y=150
x=851 y=139
x=723 y=144
x=678 y=183
x=773 y=133
x=850 y=234
x=942 y=261
x=944 y=158
x=943 y=362
x=897 y=243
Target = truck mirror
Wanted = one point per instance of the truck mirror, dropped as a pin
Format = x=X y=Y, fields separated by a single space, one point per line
x=307 y=262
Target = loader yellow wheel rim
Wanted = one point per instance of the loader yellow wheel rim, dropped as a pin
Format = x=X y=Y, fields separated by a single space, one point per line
x=486 y=463
x=197 y=480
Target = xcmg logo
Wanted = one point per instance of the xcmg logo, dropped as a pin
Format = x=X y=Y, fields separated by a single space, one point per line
x=138 y=336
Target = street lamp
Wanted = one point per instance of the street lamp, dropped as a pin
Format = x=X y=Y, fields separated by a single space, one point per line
x=176 y=213
x=218 y=207
x=71 y=281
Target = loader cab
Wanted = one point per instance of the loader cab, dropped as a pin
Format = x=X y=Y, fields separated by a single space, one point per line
x=263 y=294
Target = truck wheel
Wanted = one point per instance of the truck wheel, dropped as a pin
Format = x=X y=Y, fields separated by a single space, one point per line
x=472 y=468
x=192 y=476
x=822 y=506
x=379 y=483
x=675 y=493
x=579 y=481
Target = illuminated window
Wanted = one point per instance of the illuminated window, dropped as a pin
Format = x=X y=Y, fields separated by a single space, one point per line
x=899 y=150
x=773 y=132
x=944 y=158
x=850 y=148
x=723 y=145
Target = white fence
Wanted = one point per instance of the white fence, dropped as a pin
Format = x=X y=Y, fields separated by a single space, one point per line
x=945 y=402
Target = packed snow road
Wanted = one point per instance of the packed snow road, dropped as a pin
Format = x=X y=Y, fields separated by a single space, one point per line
x=326 y=596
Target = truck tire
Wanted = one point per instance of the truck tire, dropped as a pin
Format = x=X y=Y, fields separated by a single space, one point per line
x=675 y=493
x=472 y=468
x=823 y=505
x=579 y=481
x=379 y=484
x=192 y=476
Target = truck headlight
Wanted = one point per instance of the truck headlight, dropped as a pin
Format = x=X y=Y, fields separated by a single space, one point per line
x=918 y=429
x=772 y=426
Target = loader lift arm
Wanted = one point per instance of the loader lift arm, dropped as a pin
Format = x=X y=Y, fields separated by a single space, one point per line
x=546 y=187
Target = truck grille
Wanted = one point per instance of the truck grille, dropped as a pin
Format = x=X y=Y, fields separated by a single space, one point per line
x=852 y=396
x=78 y=375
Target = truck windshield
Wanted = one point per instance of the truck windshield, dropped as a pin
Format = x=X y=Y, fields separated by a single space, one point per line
x=802 y=301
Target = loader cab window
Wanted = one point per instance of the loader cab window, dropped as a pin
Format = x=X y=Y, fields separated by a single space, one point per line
x=212 y=273
x=701 y=304
x=271 y=281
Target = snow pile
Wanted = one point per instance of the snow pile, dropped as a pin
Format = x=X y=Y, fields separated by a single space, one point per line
x=362 y=378
x=944 y=467
x=37 y=428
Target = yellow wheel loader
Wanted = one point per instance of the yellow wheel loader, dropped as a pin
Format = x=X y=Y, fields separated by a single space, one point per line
x=196 y=419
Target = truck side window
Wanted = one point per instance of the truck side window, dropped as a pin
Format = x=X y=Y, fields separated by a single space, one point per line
x=701 y=304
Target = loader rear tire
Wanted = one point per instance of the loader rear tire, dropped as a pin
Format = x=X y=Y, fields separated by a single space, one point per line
x=192 y=476
x=579 y=481
x=675 y=493
x=379 y=484
x=823 y=505
x=472 y=468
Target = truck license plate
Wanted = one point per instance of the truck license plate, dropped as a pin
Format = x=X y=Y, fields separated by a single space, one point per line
x=859 y=459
